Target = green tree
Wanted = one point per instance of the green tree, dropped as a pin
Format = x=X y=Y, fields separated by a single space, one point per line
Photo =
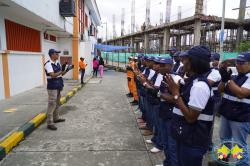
x=244 y=46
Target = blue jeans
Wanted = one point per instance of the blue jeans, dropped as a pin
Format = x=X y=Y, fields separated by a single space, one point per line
x=238 y=131
x=169 y=144
x=189 y=156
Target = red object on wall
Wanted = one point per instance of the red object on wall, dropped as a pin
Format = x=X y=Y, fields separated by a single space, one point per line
x=52 y=38
x=22 y=38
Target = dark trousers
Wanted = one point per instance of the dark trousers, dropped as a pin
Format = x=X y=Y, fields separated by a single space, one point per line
x=156 y=139
x=188 y=156
x=169 y=144
x=95 y=71
x=82 y=74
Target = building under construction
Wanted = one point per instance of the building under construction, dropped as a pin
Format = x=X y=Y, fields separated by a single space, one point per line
x=184 y=33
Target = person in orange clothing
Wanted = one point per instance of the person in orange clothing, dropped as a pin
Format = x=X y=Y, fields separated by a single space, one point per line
x=133 y=82
x=82 y=67
x=129 y=77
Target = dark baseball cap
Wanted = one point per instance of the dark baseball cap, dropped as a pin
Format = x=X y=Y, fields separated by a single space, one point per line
x=199 y=51
x=244 y=56
x=172 y=49
x=150 y=58
x=177 y=54
x=164 y=60
x=52 y=51
x=215 y=57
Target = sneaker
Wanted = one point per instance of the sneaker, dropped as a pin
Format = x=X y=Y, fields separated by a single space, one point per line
x=52 y=127
x=59 y=120
x=155 y=150
x=148 y=141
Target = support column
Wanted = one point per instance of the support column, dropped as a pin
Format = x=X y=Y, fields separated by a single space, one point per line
x=178 y=42
x=75 y=43
x=122 y=42
x=132 y=44
x=184 y=41
x=6 y=80
x=137 y=46
x=241 y=17
x=161 y=45
x=166 y=40
x=197 y=32
x=146 y=41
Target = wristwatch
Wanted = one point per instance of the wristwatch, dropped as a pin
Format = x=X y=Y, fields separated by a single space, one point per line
x=176 y=97
x=159 y=94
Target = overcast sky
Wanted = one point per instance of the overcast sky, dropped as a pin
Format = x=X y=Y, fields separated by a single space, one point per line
x=109 y=7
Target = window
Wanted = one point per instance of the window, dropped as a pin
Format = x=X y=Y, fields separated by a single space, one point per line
x=81 y=16
x=22 y=38
x=47 y=36
x=86 y=20
x=52 y=38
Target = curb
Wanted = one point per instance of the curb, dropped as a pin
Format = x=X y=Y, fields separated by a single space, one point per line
x=25 y=130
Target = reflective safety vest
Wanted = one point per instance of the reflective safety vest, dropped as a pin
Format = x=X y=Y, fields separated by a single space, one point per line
x=216 y=94
x=193 y=134
x=143 y=89
x=152 y=98
x=166 y=108
x=232 y=107
x=54 y=83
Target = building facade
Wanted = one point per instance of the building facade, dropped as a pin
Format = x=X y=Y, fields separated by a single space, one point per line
x=28 y=29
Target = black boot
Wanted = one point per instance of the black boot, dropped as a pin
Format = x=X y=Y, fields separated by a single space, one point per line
x=129 y=95
x=134 y=102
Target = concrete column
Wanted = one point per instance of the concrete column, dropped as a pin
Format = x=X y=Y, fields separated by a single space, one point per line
x=75 y=43
x=248 y=34
x=161 y=45
x=166 y=39
x=241 y=17
x=146 y=41
x=197 y=32
x=203 y=36
x=132 y=42
x=198 y=7
x=137 y=46
x=178 y=42
x=122 y=42
x=184 y=41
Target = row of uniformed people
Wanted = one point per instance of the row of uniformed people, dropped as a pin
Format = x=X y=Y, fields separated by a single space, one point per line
x=179 y=112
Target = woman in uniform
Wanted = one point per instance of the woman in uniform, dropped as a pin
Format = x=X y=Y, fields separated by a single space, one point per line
x=192 y=118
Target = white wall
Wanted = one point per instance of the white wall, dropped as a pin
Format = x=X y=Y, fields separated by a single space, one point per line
x=46 y=45
x=85 y=49
x=2 y=96
x=65 y=44
x=48 y=10
x=25 y=72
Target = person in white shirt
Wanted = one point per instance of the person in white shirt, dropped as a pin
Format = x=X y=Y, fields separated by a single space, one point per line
x=54 y=72
x=193 y=112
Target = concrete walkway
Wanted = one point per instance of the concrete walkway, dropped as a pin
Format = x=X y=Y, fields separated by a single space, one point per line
x=21 y=108
x=100 y=130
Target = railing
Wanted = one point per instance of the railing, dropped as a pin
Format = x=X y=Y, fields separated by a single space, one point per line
x=120 y=59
